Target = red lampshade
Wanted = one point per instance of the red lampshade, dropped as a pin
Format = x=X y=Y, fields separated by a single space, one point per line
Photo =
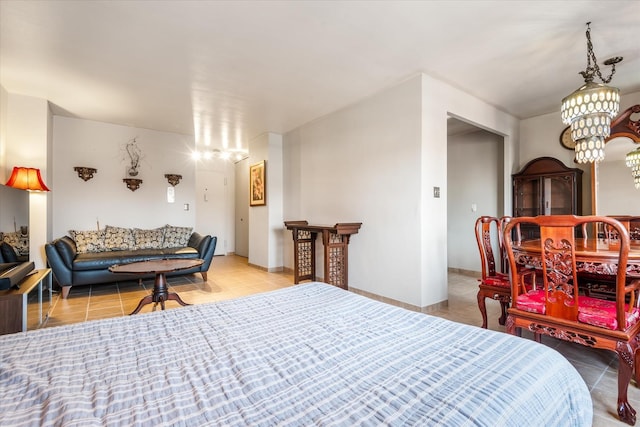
x=26 y=179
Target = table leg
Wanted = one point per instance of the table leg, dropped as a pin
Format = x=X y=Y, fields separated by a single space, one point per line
x=160 y=294
x=144 y=301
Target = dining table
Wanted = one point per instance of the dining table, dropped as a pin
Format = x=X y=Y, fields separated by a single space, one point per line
x=594 y=256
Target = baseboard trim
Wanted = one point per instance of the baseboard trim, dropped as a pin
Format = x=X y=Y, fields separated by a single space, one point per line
x=268 y=270
x=470 y=273
x=426 y=309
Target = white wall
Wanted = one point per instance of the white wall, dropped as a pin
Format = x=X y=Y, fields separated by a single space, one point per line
x=14 y=209
x=474 y=177
x=5 y=172
x=362 y=164
x=266 y=222
x=376 y=162
x=440 y=100
x=105 y=199
x=28 y=125
x=621 y=197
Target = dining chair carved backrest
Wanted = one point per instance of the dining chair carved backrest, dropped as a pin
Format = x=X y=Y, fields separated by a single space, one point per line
x=493 y=284
x=559 y=309
x=630 y=222
x=516 y=235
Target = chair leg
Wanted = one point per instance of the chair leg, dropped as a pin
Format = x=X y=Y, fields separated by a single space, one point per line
x=483 y=308
x=637 y=364
x=503 y=318
x=625 y=370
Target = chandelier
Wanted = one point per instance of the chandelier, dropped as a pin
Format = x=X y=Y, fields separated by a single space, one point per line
x=633 y=161
x=589 y=109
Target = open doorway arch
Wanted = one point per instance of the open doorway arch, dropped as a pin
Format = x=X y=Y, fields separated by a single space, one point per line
x=476 y=183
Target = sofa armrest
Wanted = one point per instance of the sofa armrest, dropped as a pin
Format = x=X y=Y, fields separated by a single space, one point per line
x=7 y=253
x=60 y=254
x=206 y=246
x=196 y=240
x=66 y=247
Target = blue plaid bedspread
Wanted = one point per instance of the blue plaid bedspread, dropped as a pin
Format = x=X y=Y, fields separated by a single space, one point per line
x=311 y=354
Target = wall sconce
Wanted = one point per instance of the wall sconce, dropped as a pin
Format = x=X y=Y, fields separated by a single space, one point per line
x=85 y=173
x=173 y=179
x=132 y=183
x=26 y=179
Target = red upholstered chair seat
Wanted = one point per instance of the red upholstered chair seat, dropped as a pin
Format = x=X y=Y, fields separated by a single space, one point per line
x=500 y=279
x=602 y=313
x=593 y=311
x=532 y=301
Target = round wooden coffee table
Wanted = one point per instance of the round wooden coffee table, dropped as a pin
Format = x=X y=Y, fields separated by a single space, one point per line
x=160 y=267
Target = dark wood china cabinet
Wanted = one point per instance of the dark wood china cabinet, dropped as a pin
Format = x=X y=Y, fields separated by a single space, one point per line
x=545 y=186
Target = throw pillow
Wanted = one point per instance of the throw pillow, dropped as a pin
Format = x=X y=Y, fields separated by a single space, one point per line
x=176 y=237
x=19 y=242
x=148 y=239
x=88 y=241
x=118 y=239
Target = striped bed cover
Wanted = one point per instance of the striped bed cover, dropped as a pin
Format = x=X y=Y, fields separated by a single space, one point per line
x=310 y=354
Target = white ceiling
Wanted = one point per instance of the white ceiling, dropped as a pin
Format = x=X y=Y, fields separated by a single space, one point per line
x=227 y=71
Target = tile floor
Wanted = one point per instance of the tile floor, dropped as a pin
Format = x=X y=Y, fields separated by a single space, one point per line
x=231 y=277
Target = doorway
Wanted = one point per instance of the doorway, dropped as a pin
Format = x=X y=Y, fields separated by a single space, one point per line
x=475 y=181
x=242 y=208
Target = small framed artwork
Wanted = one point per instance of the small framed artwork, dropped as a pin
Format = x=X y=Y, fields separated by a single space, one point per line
x=257 y=184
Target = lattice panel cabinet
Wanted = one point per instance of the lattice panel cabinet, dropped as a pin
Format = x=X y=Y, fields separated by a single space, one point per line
x=335 y=240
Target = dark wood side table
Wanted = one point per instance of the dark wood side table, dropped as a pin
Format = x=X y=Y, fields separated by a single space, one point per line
x=160 y=267
x=336 y=243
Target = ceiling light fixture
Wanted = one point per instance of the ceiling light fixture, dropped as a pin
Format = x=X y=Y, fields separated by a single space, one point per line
x=589 y=109
x=234 y=155
x=632 y=160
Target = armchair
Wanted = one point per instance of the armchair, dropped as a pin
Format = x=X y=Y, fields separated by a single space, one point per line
x=561 y=310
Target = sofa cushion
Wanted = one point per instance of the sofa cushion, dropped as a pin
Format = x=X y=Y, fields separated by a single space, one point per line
x=148 y=239
x=118 y=239
x=88 y=241
x=175 y=237
x=18 y=241
x=104 y=260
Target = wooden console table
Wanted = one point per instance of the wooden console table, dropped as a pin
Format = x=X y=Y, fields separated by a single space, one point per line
x=28 y=307
x=336 y=259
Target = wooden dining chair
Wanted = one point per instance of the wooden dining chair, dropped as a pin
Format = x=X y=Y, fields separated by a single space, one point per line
x=494 y=284
x=559 y=309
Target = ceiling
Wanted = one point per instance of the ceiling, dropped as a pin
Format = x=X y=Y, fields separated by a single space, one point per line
x=227 y=71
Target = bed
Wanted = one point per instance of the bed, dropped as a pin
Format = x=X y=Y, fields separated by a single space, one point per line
x=310 y=354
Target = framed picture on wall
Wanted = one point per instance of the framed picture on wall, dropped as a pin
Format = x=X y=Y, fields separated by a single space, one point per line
x=257 y=184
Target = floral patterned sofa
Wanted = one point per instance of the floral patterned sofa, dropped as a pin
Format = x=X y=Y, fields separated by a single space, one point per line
x=84 y=257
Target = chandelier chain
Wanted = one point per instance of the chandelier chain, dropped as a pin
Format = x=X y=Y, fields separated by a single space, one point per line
x=588 y=73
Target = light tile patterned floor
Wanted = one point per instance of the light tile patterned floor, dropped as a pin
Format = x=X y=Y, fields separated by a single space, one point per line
x=231 y=277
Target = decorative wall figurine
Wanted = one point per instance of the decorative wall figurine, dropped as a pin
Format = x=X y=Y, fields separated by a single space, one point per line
x=85 y=173
x=173 y=178
x=135 y=155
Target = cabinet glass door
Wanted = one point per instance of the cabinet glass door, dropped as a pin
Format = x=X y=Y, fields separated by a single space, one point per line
x=558 y=195
x=527 y=197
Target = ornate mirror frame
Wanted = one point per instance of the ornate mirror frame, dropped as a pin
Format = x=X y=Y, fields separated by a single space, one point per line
x=623 y=126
